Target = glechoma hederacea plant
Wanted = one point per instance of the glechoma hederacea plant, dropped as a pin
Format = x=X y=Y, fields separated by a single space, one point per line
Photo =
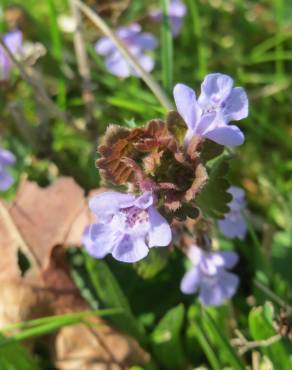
x=174 y=173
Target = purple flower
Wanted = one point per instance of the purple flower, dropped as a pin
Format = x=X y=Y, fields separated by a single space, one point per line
x=218 y=104
x=13 y=40
x=136 y=41
x=176 y=11
x=127 y=226
x=6 y=159
x=233 y=225
x=209 y=276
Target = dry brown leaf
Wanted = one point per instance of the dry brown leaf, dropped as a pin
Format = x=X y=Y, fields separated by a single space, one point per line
x=44 y=216
x=96 y=348
x=8 y=263
x=85 y=347
x=20 y=302
x=42 y=222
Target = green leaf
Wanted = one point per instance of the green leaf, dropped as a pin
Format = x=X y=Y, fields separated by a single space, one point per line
x=111 y=295
x=269 y=312
x=261 y=329
x=167 y=342
x=153 y=264
x=15 y=357
x=187 y=210
x=211 y=150
x=214 y=197
x=221 y=340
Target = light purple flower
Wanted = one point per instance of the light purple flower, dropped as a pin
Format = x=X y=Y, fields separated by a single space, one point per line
x=209 y=277
x=6 y=159
x=127 y=226
x=136 y=41
x=218 y=104
x=233 y=225
x=13 y=40
x=177 y=11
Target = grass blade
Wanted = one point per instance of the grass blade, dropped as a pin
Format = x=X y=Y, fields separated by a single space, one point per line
x=46 y=325
x=57 y=52
x=111 y=295
x=197 y=30
x=222 y=341
x=15 y=357
x=166 y=48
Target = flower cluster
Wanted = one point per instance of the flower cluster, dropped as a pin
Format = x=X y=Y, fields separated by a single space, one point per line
x=233 y=225
x=209 y=276
x=6 y=159
x=137 y=43
x=13 y=41
x=176 y=12
x=127 y=226
x=163 y=166
x=26 y=52
x=218 y=104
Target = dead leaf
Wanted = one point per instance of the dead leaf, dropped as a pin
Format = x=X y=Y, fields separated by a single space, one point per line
x=43 y=222
x=86 y=347
x=20 y=302
x=39 y=219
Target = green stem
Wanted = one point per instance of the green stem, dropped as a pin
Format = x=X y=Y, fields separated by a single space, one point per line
x=57 y=50
x=150 y=82
x=167 y=48
x=198 y=33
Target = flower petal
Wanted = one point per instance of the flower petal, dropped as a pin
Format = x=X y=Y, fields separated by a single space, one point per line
x=146 y=41
x=177 y=8
x=145 y=200
x=185 y=100
x=214 y=292
x=117 y=65
x=233 y=228
x=208 y=264
x=6 y=157
x=191 y=281
x=238 y=199
x=176 y=24
x=229 y=283
x=215 y=89
x=13 y=41
x=205 y=122
x=230 y=258
x=226 y=135
x=195 y=254
x=236 y=192
x=109 y=202
x=6 y=180
x=236 y=105
x=130 y=250
x=104 y=46
x=146 y=62
x=99 y=240
x=211 y=295
x=128 y=32
x=160 y=231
